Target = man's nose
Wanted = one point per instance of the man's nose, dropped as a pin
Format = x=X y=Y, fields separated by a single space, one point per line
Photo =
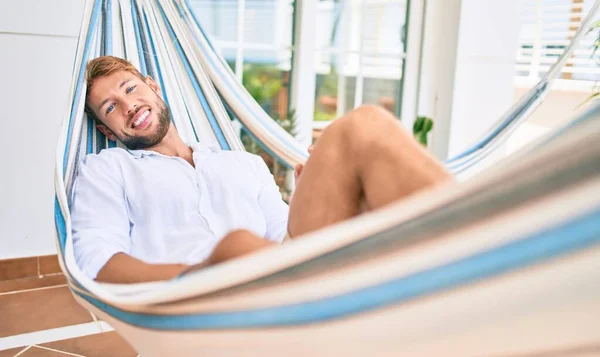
x=131 y=108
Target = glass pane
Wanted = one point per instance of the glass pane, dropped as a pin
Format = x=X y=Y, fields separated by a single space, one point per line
x=383 y=26
x=229 y=55
x=382 y=92
x=328 y=23
x=335 y=85
x=267 y=79
x=329 y=96
x=370 y=26
x=268 y=22
x=358 y=41
x=279 y=58
x=217 y=17
x=231 y=63
x=382 y=66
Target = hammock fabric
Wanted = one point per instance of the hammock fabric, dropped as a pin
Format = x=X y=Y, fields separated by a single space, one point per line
x=505 y=263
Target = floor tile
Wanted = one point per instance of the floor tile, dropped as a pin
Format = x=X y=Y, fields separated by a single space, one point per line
x=49 y=265
x=18 y=268
x=32 y=283
x=12 y=352
x=40 y=310
x=99 y=345
x=40 y=352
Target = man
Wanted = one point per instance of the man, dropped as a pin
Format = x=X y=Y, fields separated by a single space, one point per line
x=150 y=212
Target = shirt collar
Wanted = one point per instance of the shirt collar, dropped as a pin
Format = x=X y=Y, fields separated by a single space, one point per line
x=196 y=147
x=138 y=154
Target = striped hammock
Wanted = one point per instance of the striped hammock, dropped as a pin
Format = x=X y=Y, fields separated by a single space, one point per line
x=505 y=263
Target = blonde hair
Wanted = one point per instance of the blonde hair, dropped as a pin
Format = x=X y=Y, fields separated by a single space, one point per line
x=101 y=67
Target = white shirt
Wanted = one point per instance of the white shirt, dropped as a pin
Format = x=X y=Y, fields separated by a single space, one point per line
x=160 y=209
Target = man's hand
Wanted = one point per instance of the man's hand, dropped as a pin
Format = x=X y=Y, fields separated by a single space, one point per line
x=298 y=169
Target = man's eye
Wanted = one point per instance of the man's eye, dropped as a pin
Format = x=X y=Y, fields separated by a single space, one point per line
x=110 y=108
x=130 y=89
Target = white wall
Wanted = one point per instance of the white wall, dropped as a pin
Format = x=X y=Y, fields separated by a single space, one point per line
x=37 y=42
x=485 y=68
x=468 y=68
x=438 y=63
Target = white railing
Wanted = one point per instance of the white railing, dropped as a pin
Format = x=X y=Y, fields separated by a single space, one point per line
x=547 y=28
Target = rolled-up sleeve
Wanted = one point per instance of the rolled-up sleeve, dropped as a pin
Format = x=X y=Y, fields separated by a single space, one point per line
x=100 y=222
x=274 y=209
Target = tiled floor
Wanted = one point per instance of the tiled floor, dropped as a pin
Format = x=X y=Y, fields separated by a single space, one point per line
x=34 y=308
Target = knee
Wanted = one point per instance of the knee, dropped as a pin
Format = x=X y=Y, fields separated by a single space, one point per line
x=363 y=126
x=369 y=114
x=366 y=120
x=237 y=243
x=227 y=247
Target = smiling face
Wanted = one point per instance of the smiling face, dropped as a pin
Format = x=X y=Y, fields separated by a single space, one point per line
x=129 y=108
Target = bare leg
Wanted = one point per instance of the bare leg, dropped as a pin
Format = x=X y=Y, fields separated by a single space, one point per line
x=363 y=158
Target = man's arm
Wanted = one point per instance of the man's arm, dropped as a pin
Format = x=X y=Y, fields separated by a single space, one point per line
x=99 y=215
x=125 y=269
x=101 y=228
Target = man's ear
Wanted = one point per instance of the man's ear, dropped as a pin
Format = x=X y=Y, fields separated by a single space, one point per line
x=106 y=131
x=155 y=87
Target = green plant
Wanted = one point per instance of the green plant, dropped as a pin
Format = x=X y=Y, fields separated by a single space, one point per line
x=322 y=116
x=262 y=81
x=596 y=91
x=596 y=45
x=329 y=83
x=421 y=128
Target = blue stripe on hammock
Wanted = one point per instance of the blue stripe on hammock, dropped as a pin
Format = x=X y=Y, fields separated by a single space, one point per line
x=189 y=117
x=566 y=238
x=108 y=48
x=90 y=136
x=138 y=39
x=61 y=227
x=80 y=79
x=154 y=58
x=108 y=27
x=218 y=131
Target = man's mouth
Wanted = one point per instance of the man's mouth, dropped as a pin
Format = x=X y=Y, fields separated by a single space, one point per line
x=141 y=118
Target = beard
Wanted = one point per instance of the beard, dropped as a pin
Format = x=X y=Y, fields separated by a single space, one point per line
x=140 y=142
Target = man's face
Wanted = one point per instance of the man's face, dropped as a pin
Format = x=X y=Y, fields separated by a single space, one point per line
x=130 y=109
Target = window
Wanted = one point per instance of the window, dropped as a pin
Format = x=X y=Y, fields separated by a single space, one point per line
x=548 y=26
x=360 y=51
x=255 y=37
